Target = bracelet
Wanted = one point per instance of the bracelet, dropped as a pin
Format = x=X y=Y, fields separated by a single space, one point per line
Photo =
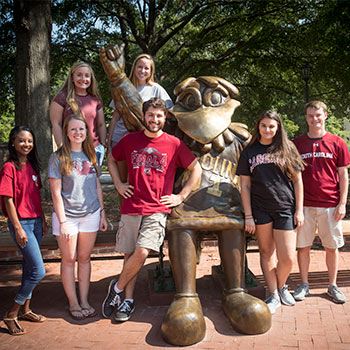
x=249 y=216
x=102 y=209
x=63 y=222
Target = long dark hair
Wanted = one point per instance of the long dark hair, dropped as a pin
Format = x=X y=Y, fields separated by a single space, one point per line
x=32 y=157
x=283 y=150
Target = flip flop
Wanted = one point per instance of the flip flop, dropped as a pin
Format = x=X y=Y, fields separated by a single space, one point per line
x=89 y=311
x=78 y=318
x=18 y=326
x=33 y=317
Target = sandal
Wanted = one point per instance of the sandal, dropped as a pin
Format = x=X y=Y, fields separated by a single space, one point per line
x=89 y=311
x=7 y=321
x=33 y=317
x=74 y=312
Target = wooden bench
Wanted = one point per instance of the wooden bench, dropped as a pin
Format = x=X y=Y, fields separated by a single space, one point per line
x=103 y=238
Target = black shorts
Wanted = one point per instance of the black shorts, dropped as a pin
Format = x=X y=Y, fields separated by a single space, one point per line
x=282 y=220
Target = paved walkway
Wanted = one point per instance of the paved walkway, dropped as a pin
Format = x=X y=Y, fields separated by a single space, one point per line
x=316 y=323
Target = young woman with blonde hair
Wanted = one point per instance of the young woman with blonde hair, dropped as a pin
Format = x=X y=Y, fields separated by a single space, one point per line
x=142 y=76
x=78 y=209
x=79 y=95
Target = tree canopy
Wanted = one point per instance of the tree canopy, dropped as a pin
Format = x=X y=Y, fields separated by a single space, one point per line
x=258 y=45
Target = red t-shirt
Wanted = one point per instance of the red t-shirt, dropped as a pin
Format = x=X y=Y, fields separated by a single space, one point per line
x=323 y=157
x=24 y=187
x=89 y=106
x=152 y=163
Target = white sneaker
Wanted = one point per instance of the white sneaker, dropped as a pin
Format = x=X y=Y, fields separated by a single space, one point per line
x=301 y=292
x=336 y=294
x=273 y=302
x=285 y=296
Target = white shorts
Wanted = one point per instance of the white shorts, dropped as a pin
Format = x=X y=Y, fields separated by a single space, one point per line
x=320 y=220
x=88 y=223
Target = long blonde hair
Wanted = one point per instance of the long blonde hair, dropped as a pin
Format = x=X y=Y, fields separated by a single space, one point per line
x=64 y=152
x=69 y=89
x=132 y=76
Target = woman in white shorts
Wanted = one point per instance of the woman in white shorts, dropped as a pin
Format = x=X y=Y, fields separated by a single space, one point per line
x=78 y=210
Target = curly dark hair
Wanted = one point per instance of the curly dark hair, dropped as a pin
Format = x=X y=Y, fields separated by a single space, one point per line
x=155 y=103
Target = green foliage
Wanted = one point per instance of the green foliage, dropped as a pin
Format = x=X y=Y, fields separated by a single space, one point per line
x=7 y=123
x=260 y=46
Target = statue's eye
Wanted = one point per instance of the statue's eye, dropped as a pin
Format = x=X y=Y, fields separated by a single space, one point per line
x=190 y=99
x=214 y=98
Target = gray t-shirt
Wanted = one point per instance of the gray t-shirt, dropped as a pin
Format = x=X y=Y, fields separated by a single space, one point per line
x=79 y=189
x=146 y=92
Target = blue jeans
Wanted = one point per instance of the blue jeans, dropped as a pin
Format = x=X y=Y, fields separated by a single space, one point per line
x=100 y=153
x=33 y=265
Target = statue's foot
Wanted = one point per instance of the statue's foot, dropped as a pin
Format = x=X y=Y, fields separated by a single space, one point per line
x=184 y=322
x=247 y=314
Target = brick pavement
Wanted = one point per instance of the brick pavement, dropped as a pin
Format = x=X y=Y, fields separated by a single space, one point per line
x=316 y=323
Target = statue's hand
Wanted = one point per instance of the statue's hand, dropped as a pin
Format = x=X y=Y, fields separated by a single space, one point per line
x=113 y=61
x=240 y=130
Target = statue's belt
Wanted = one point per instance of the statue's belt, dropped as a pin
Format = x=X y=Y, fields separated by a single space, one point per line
x=208 y=220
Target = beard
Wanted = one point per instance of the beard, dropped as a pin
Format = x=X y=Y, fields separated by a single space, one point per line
x=151 y=127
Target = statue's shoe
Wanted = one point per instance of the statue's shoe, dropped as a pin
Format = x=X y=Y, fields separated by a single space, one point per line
x=184 y=322
x=247 y=314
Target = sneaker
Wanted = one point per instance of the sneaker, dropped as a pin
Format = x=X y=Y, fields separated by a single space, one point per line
x=335 y=293
x=112 y=300
x=301 y=292
x=285 y=296
x=124 y=311
x=273 y=303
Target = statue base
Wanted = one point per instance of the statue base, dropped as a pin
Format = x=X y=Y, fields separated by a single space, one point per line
x=253 y=286
x=162 y=290
x=161 y=286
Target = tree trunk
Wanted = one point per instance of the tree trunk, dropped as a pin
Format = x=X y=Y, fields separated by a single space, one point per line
x=32 y=73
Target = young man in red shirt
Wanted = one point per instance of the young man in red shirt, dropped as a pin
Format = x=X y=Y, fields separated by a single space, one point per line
x=152 y=157
x=326 y=182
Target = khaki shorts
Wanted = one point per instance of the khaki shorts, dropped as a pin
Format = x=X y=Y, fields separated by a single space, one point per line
x=322 y=220
x=146 y=231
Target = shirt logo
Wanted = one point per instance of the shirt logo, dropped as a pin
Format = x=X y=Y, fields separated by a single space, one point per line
x=265 y=158
x=35 y=179
x=149 y=158
x=83 y=167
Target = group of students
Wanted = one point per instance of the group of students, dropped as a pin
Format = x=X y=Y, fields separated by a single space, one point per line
x=79 y=129
x=271 y=170
x=289 y=191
